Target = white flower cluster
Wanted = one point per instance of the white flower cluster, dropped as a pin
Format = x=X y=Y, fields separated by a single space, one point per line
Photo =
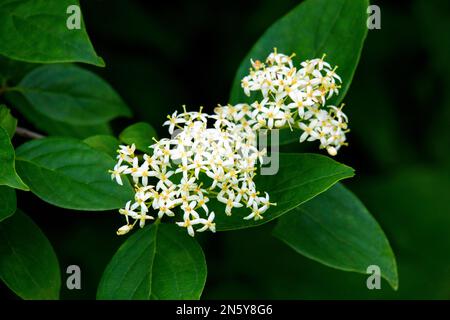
x=200 y=163
x=295 y=98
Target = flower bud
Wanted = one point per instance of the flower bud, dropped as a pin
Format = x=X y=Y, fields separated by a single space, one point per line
x=124 y=230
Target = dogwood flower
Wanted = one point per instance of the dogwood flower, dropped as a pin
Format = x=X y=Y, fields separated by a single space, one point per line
x=173 y=122
x=208 y=224
x=128 y=211
x=117 y=171
x=215 y=156
x=125 y=153
x=291 y=97
x=184 y=172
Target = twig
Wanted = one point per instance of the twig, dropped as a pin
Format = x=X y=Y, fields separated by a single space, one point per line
x=28 y=133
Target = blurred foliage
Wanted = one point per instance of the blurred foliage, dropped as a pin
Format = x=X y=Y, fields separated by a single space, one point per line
x=160 y=56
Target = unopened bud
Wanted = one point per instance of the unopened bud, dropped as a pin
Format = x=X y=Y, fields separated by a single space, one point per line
x=332 y=151
x=124 y=230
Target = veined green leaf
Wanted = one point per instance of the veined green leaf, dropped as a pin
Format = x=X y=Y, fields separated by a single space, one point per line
x=104 y=143
x=53 y=127
x=300 y=178
x=69 y=94
x=70 y=174
x=36 y=31
x=28 y=264
x=158 y=262
x=337 y=230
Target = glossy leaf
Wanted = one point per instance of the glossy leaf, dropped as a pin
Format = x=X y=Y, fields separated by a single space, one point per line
x=315 y=27
x=158 y=262
x=28 y=264
x=7 y=121
x=70 y=174
x=104 y=143
x=8 y=202
x=69 y=94
x=8 y=175
x=36 y=31
x=337 y=230
x=141 y=134
x=300 y=178
x=414 y=212
x=53 y=127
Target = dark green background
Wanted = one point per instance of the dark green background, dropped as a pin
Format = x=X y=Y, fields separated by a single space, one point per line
x=162 y=55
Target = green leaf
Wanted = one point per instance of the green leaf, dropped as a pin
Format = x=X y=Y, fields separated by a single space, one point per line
x=337 y=230
x=36 y=31
x=158 y=262
x=300 y=178
x=69 y=94
x=141 y=134
x=12 y=71
x=52 y=127
x=8 y=175
x=70 y=174
x=315 y=27
x=104 y=143
x=8 y=202
x=28 y=264
x=412 y=204
x=7 y=121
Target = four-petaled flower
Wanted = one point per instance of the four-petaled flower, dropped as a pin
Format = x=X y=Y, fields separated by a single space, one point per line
x=216 y=156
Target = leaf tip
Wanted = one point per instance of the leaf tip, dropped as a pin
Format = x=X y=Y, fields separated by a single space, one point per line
x=100 y=62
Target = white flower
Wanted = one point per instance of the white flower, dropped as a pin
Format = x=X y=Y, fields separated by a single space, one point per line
x=163 y=177
x=118 y=170
x=127 y=150
x=201 y=202
x=134 y=166
x=189 y=210
x=216 y=173
x=299 y=95
x=128 y=211
x=308 y=129
x=181 y=153
x=152 y=162
x=252 y=197
x=188 y=225
x=208 y=224
x=165 y=210
x=255 y=215
x=143 y=173
x=173 y=122
x=271 y=114
x=219 y=151
x=229 y=200
x=142 y=218
x=125 y=153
